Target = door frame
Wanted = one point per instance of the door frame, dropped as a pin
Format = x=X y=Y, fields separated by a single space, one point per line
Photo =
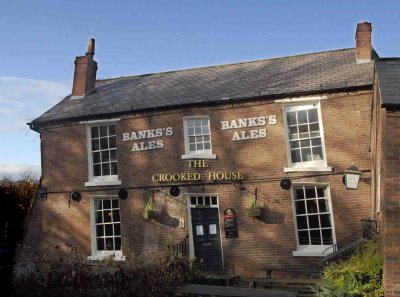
x=190 y=227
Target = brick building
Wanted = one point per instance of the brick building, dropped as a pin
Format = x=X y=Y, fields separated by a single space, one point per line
x=243 y=162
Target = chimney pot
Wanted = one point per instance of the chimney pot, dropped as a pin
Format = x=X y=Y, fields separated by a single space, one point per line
x=85 y=73
x=363 y=42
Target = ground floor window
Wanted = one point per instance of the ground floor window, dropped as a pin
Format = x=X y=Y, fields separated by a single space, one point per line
x=313 y=219
x=106 y=227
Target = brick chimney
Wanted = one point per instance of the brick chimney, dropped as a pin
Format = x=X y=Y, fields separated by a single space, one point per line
x=85 y=73
x=363 y=42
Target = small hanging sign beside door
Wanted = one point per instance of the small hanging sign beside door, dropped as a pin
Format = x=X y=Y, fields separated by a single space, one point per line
x=230 y=223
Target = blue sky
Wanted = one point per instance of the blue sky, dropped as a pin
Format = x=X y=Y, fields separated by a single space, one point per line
x=40 y=39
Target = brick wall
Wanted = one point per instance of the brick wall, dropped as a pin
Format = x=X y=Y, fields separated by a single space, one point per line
x=269 y=240
x=391 y=231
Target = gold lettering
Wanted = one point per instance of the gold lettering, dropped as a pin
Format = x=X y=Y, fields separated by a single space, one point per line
x=155 y=178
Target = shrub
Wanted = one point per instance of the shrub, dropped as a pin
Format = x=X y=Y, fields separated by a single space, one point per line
x=105 y=278
x=359 y=276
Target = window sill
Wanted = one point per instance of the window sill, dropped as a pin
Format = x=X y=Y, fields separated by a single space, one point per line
x=313 y=252
x=199 y=156
x=102 y=183
x=308 y=169
x=107 y=257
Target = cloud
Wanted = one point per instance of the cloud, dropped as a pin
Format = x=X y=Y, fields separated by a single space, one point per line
x=16 y=171
x=23 y=99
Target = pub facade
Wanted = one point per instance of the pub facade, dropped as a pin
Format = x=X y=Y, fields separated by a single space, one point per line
x=244 y=164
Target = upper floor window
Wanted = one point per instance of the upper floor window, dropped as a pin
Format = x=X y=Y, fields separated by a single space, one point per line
x=314 y=222
x=305 y=137
x=102 y=155
x=197 y=138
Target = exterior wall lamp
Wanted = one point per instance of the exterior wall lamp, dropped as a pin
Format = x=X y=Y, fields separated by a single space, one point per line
x=351 y=177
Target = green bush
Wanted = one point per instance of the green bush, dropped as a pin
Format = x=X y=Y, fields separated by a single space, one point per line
x=106 y=278
x=359 y=276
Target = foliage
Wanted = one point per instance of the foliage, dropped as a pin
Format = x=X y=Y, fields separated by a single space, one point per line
x=148 y=211
x=359 y=276
x=133 y=277
x=254 y=209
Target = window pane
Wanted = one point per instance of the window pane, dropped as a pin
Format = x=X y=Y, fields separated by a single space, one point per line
x=199 y=147
x=300 y=207
x=320 y=192
x=98 y=204
x=98 y=217
x=107 y=216
x=112 y=142
x=96 y=157
x=115 y=203
x=116 y=215
x=305 y=143
x=295 y=154
x=193 y=200
x=317 y=153
x=204 y=122
x=306 y=155
x=100 y=244
x=117 y=229
x=99 y=230
x=105 y=169
x=315 y=237
x=113 y=155
x=192 y=139
x=111 y=130
x=109 y=229
x=214 y=200
x=206 y=137
x=109 y=244
x=302 y=222
x=310 y=192
x=114 y=168
x=291 y=118
x=302 y=116
x=327 y=237
x=207 y=146
x=299 y=194
x=303 y=238
x=312 y=206
x=200 y=200
x=191 y=131
x=293 y=133
x=197 y=130
x=95 y=132
x=205 y=130
x=316 y=141
x=199 y=138
x=118 y=243
x=294 y=144
x=207 y=200
x=103 y=131
x=313 y=221
x=97 y=170
x=190 y=123
x=313 y=115
x=103 y=143
x=106 y=204
x=105 y=156
x=325 y=220
x=192 y=147
x=303 y=131
x=95 y=145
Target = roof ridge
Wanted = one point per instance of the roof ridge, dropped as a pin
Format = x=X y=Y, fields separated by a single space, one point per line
x=216 y=66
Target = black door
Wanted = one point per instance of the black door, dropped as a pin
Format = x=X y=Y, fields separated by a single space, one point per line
x=206 y=238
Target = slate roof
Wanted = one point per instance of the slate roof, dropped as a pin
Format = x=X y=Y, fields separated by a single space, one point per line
x=388 y=74
x=271 y=78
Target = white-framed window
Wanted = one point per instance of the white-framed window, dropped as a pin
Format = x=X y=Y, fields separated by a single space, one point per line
x=105 y=223
x=312 y=209
x=305 y=138
x=102 y=154
x=197 y=135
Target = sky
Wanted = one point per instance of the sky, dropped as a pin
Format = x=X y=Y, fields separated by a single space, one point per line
x=39 y=41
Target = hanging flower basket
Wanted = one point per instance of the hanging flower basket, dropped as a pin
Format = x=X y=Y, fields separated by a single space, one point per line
x=148 y=211
x=254 y=210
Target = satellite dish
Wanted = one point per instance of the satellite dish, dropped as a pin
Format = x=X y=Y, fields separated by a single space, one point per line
x=174 y=191
x=76 y=196
x=122 y=194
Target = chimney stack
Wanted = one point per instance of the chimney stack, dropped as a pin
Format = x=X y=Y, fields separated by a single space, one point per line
x=363 y=43
x=85 y=73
